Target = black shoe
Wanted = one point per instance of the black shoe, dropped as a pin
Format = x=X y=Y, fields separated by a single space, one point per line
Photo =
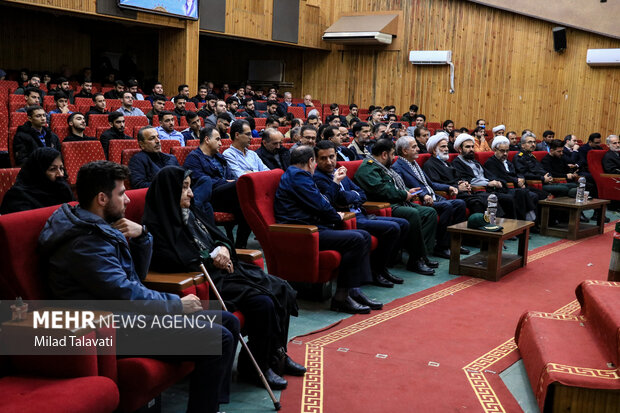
x=464 y=251
x=392 y=278
x=442 y=254
x=420 y=267
x=275 y=382
x=360 y=298
x=432 y=264
x=584 y=218
x=349 y=305
x=595 y=217
x=513 y=239
x=292 y=368
x=380 y=281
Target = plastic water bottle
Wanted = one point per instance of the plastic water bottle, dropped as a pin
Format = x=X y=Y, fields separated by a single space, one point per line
x=492 y=208
x=580 y=198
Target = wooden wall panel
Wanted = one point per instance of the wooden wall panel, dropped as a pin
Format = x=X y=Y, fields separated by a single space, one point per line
x=178 y=57
x=249 y=18
x=506 y=70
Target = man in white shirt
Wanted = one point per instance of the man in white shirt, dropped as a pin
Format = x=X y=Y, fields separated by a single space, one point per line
x=240 y=159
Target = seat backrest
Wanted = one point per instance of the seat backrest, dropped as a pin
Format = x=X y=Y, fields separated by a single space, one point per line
x=98 y=121
x=181 y=152
x=18 y=118
x=135 y=208
x=483 y=156
x=256 y=193
x=595 y=162
x=297 y=111
x=351 y=167
x=452 y=156
x=423 y=157
x=260 y=122
x=7 y=179
x=83 y=102
x=117 y=146
x=511 y=155
x=20 y=269
x=76 y=154
x=167 y=144
x=540 y=155
x=127 y=154
x=132 y=122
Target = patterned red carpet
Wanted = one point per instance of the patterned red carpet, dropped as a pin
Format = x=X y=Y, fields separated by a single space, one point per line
x=440 y=350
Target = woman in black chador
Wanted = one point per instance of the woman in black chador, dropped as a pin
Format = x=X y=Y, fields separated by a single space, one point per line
x=184 y=238
x=40 y=183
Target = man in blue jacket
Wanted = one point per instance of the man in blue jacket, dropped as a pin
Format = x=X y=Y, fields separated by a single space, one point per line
x=450 y=211
x=94 y=253
x=344 y=195
x=207 y=162
x=299 y=201
x=145 y=164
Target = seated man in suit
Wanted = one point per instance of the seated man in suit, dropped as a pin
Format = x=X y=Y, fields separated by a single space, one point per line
x=437 y=169
x=556 y=165
x=450 y=211
x=381 y=183
x=345 y=196
x=299 y=201
x=571 y=151
x=469 y=169
x=271 y=151
x=145 y=164
x=545 y=145
x=334 y=135
x=116 y=131
x=611 y=159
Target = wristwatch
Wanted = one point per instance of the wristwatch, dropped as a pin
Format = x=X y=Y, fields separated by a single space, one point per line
x=145 y=232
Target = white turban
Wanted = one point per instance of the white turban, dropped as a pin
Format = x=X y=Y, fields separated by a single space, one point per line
x=500 y=140
x=462 y=138
x=498 y=128
x=314 y=112
x=434 y=141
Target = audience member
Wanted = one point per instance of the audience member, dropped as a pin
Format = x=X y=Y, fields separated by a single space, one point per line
x=411 y=115
x=117 y=91
x=62 y=105
x=282 y=109
x=32 y=97
x=157 y=91
x=183 y=90
x=545 y=145
x=127 y=108
x=376 y=117
x=194 y=125
x=249 y=108
x=555 y=163
x=499 y=130
x=361 y=140
x=220 y=109
x=65 y=88
x=295 y=134
x=32 y=135
x=201 y=96
x=480 y=141
x=352 y=117
x=514 y=141
x=87 y=90
x=159 y=104
x=272 y=108
x=313 y=119
x=421 y=136
x=145 y=164
x=450 y=211
x=166 y=130
x=271 y=151
x=571 y=151
x=77 y=126
x=179 y=111
x=33 y=82
x=448 y=126
x=420 y=122
x=611 y=159
x=222 y=124
x=594 y=142
x=308 y=137
x=94 y=253
x=381 y=183
x=134 y=89
x=41 y=182
x=240 y=159
x=116 y=131
x=334 y=135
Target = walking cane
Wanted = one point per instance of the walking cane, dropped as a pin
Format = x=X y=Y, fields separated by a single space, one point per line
x=276 y=403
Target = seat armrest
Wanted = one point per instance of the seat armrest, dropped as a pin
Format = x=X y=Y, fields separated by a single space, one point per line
x=294 y=228
x=559 y=180
x=173 y=283
x=476 y=188
x=348 y=216
x=375 y=206
x=613 y=176
x=249 y=256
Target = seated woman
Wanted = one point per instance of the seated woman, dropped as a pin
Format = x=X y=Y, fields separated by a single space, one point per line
x=40 y=183
x=184 y=238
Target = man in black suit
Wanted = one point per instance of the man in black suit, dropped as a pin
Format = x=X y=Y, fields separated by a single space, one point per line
x=571 y=151
x=611 y=160
x=545 y=145
x=333 y=134
x=271 y=151
x=594 y=142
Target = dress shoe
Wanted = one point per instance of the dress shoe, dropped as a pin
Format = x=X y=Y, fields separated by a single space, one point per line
x=392 y=278
x=464 y=251
x=275 y=382
x=596 y=215
x=441 y=253
x=380 y=281
x=420 y=267
x=429 y=263
x=349 y=305
x=513 y=239
x=584 y=218
x=292 y=368
x=360 y=298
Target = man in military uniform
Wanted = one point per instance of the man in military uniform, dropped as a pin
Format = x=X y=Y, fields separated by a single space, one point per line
x=344 y=195
x=299 y=201
x=381 y=183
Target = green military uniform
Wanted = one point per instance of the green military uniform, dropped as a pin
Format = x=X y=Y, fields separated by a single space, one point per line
x=527 y=166
x=379 y=186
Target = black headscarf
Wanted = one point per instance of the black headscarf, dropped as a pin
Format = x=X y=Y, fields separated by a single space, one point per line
x=33 y=189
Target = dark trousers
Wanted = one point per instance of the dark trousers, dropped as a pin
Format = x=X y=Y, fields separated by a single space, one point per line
x=264 y=332
x=422 y=228
x=354 y=248
x=225 y=199
x=450 y=211
x=389 y=232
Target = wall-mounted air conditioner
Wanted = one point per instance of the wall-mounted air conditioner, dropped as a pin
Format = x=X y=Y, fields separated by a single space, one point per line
x=603 y=57
x=430 y=57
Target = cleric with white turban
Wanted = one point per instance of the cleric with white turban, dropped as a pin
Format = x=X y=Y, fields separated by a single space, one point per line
x=499 y=128
x=434 y=140
x=462 y=138
x=499 y=140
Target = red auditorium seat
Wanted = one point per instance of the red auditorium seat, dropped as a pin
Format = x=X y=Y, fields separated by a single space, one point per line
x=18 y=118
x=76 y=154
x=284 y=129
x=83 y=102
x=144 y=105
x=260 y=123
x=98 y=121
x=58 y=120
x=190 y=107
x=482 y=157
x=127 y=154
x=169 y=106
x=193 y=142
x=297 y=111
x=181 y=152
x=167 y=144
x=608 y=185
x=61 y=131
x=113 y=104
x=135 y=122
x=117 y=146
x=7 y=179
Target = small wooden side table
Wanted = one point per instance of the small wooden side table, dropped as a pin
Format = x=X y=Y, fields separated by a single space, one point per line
x=575 y=229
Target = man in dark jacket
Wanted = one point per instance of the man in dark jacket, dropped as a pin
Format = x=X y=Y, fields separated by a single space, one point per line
x=555 y=164
x=99 y=107
x=334 y=135
x=32 y=135
x=94 y=253
x=611 y=160
x=594 y=142
x=117 y=92
x=450 y=211
x=299 y=201
x=571 y=150
x=345 y=196
x=207 y=162
x=145 y=164
x=116 y=131
x=271 y=151
x=77 y=126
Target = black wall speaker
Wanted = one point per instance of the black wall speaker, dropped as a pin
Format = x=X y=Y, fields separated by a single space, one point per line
x=559 y=39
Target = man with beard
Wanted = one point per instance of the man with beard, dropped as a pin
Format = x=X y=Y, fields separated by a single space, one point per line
x=271 y=151
x=77 y=126
x=450 y=211
x=94 y=253
x=116 y=131
x=470 y=170
x=571 y=151
x=145 y=164
x=611 y=160
x=376 y=177
x=32 y=135
x=361 y=140
x=437 y=169
x=514 y=141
